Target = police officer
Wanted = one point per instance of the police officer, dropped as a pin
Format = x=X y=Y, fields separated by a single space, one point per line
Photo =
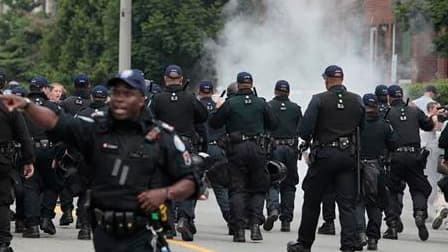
x=46 y=182
x=72 y=104
x=330 y=121
x=408 y=160
x=286 y=141
x=183 y=111
x=12 y=129
x=206 y=91
x=246 y=118
x=79 y=181
x=381 y=95
x=377 y=136
x=138 y=162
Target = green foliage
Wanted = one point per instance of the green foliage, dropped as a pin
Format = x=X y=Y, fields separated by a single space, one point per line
x=415 y=15
x=417 y=89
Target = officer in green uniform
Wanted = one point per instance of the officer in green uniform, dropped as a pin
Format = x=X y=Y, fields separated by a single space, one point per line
x=286 y=151
x=246 y=118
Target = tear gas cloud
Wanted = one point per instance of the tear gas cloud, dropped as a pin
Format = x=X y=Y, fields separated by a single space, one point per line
x=293 y=40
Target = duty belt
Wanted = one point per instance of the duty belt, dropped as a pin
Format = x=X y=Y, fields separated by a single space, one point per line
x=407 y=149
x=43 y=144
x=248 y=138
x=118 y=222
x=286 y=141
x=342 y=143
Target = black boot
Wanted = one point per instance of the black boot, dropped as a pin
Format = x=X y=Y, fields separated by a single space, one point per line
x=5 y=248
x=269 y=223
x=286 y=226
x=31 y=232
x=327 y=228
x=193 y=227
x=66 y=218
x=239 y=235
x=230 y=229
x=296 y=247
x=399 y=225
x=84 y=233
x=255 y=233
x=420 y=218
x=391 y=232
x=47 y=226
x=372 y=244
x=19 y=226
x=184 y=229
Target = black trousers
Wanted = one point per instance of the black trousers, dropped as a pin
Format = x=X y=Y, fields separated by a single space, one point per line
x=336 y=167
x=287 y=188
x=374 y=215
x=104 y=242
x=249 y=183
x=405 y=167
x=329 y=205
x=5 y=202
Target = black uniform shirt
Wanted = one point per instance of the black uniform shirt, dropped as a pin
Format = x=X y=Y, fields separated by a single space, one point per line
x=126 y=157
x=289 y=114
x=245 y=113
x=377 y=136
x=74 y=103
x=343 y=122
x=13 y=128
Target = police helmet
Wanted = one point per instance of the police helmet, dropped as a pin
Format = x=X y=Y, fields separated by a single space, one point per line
x=277 y=170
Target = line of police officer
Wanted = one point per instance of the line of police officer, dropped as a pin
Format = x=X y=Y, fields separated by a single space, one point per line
x=248 y=133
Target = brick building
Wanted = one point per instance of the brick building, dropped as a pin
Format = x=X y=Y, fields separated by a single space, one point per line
x=399 y=55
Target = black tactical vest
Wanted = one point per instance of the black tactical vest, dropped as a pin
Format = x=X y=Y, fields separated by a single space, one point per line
x=213 y=134
x=176 y=108
x=336 y=120
x=246 y=114
x=373 y=137
x=123 y=166
x=404 y=120
x=73 y=104
x=289 y=115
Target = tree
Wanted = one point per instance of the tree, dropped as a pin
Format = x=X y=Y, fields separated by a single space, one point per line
x=21 y=33
x=415 y=15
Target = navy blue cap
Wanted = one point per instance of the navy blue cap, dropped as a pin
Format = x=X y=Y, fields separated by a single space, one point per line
x=99 y=91
x=395 y=91
x=173 y=71
x=19 y=91
x=81 y=80
x=131 y=77
x=39 y=82
x=282 y=86
x=244 y=77
x=370 y=100
x=333 y=71
x=381 y=90
x=206 y=86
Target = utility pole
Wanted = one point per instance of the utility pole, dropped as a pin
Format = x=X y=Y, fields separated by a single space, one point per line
x=124 y=56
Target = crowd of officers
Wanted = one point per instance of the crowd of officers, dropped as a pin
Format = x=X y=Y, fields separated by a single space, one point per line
x=139 y=156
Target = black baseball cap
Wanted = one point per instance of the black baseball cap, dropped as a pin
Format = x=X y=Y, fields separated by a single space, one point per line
x=39 y=82
x=333 y=71
x=282 y=86
x=395 y=91
x=99 y=91
x=132 y=77
x=381 y=90
x=81 y=80
x=206 y=86
x=370 y=100
x=173 y=71
x=244 y=77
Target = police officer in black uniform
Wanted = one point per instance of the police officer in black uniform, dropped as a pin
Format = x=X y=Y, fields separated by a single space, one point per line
x=286 y=141
x=183 y=111
x=376 y=137
x=72 y=104
x=381 y=95
x=79 y=182
x=206 y=91
x=246 y=118
x=41 y=191
x=330 y=121
x=12 y=129
x=408 y=161
x=138 y=163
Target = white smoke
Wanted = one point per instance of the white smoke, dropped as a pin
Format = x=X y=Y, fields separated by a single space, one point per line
x=293 y=40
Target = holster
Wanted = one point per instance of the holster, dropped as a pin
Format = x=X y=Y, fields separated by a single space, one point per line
x=118 y=223
x=422 y=157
